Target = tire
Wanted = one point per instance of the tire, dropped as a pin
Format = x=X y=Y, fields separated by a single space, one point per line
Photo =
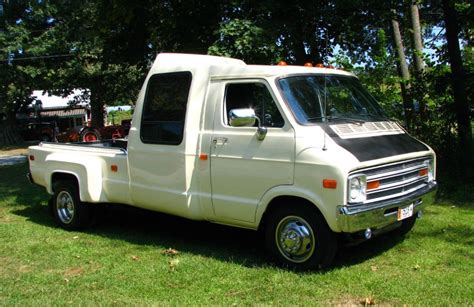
x=45 y=138
x=68 y=210
x=309 y=243
x=90 y=135
x=406 y=226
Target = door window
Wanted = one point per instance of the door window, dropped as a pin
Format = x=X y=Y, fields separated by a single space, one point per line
x=255 y=96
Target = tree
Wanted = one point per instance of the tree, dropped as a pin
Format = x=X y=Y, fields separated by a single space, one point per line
x=417 y=40
x=244 y=40
x=458 y=84
x=403 y=70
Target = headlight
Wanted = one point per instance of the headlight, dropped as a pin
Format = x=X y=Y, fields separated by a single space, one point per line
x=430 y=165
x=357 y=188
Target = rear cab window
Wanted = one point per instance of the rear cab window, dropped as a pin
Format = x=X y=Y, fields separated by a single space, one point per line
x=164 y=109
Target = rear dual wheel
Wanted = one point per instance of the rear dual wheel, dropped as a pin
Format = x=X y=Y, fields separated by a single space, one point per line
x=68 y=210
x=298 y=237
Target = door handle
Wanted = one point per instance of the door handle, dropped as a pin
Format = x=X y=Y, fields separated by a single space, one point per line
x=219 y=141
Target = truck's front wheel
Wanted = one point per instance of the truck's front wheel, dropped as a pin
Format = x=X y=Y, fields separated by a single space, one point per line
x=299 y=238
x=69 y=212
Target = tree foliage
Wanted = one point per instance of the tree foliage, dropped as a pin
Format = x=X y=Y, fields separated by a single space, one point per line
x=107 y=46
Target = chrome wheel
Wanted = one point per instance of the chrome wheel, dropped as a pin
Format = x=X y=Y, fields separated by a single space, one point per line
x=65 y=207
x=295 y=239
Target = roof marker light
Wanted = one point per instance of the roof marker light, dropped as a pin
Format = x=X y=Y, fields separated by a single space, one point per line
x=319 y=65
x=282 y=63
x=308 y=64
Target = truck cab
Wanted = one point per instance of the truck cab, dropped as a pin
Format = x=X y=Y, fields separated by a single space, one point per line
x=303 y=154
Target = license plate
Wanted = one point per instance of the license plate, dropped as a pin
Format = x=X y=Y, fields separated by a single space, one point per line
x=404 y=213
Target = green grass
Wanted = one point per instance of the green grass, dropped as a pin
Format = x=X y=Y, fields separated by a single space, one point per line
x=122 y=261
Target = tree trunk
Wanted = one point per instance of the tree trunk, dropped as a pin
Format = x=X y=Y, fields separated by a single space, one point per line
x=97 y=110
x=403 y=71
x=459 y=88
x=417 y=41
x=418 y=88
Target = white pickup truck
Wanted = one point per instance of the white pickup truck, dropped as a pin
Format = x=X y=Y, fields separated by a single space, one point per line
x=303 y=154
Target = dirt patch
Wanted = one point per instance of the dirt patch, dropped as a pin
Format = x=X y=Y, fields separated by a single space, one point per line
x=72 y=272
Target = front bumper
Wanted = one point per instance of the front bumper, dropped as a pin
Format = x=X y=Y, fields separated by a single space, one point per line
x=382 y=214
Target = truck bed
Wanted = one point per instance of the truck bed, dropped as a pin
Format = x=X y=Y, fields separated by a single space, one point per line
x=101 y=168
x=116 y=143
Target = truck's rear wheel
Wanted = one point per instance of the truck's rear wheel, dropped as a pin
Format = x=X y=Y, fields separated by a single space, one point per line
x=299 y=238
x=69 y=212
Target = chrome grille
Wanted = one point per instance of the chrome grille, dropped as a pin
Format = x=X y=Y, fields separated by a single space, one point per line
x=396 y=179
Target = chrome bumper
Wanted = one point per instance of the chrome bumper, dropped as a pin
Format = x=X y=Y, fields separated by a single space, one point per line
x=382 y=214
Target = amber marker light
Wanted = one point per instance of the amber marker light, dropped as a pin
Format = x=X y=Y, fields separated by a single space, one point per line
x=203 y=157
x=282 y=63
x=373 y=185
x=319 y=65
x=308 y=64
x=32 y=158
x=114 y=168
x=423 y=172
x=329 y=183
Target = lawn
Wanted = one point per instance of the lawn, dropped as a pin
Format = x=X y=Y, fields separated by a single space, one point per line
x=138 y=257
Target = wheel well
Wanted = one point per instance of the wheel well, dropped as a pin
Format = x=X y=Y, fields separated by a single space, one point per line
x=281 y=201
x=57 y=177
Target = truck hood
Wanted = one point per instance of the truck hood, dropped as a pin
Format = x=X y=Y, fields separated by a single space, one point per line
x=373 y=140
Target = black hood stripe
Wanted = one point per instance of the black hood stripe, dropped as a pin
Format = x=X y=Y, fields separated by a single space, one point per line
x=376 y=147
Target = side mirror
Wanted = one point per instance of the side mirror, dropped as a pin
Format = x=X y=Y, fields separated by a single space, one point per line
x=247 y=118
x=242 y=117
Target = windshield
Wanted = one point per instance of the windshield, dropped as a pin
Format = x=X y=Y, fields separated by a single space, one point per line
x=329 y=97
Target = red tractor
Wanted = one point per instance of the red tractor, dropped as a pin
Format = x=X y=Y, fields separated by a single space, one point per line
x=91 y=134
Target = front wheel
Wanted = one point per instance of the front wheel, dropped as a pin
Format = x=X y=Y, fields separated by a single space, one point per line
x=69 y=212
x=299 y=238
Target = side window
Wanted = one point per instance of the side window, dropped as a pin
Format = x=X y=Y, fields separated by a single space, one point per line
x=164 y=108
x=255 y=96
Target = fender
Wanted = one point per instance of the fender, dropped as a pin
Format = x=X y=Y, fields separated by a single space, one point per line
x=291 y=190
x=88 y=173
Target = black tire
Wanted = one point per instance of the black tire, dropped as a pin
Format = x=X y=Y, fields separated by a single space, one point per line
x=406 y=226
x=69 y=212
x=309 y=244
x=45 y=138
x=90 y=135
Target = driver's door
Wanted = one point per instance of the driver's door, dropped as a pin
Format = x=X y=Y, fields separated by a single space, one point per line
x=242 y=167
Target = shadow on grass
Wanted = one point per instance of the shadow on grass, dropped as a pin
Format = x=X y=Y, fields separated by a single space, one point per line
x=244 y=247
x=143 y=227
x=453 y=191
x=15 y=185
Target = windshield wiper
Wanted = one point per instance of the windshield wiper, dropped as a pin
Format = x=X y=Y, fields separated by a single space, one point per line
x=315 y=118
x=330 y=118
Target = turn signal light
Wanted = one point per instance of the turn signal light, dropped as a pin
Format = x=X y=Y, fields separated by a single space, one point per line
x=114 y=168
x=32 y=158
x=373 y=185
x=329 y=183
x=423 y=172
